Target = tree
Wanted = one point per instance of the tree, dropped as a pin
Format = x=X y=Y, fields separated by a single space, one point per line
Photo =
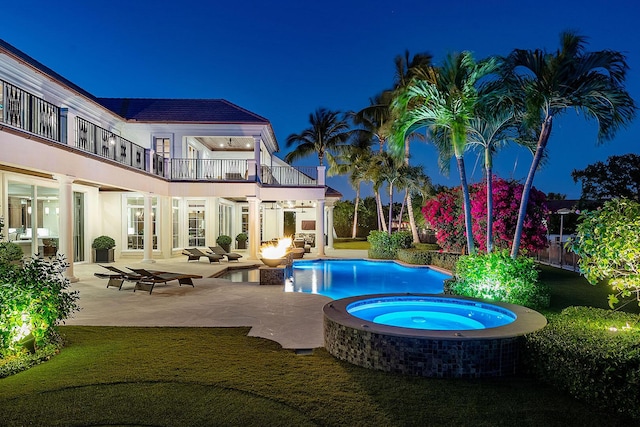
x=544 y=85
x=353 y=160
x=343 y=213
x=328 y=132
x=618 y=177
x=608 y=244
x=445 y=101
x=490 y=131
x=408 y=68
x=444 y=214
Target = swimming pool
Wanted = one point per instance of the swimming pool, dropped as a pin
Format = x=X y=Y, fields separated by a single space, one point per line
x=344 y=278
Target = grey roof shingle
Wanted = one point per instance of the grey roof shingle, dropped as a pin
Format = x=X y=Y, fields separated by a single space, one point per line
x=180 y=110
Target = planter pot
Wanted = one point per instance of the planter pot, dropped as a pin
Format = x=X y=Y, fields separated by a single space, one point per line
x=241 y=244
x=103 y=255
x=226 y=247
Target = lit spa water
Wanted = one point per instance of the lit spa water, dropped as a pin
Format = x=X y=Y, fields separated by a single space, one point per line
x=433 y=313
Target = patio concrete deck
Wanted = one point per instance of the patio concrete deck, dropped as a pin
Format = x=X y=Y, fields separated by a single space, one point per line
x=294 y=320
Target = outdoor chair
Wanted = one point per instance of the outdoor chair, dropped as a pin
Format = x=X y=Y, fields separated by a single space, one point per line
x=117 y=277
x=194 y=254
x=151 y=277
x=231 y=256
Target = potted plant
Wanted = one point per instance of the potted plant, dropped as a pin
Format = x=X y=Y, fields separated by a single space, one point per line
x=224 y=241
x=242 y=241
x=103 y=249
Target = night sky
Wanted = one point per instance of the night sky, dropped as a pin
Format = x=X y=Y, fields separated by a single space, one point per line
x=284 y=59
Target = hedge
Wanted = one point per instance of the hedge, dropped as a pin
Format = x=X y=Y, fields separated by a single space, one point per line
x=591 y=353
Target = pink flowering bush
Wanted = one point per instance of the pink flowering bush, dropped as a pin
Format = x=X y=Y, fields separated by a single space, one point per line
x=444 y=213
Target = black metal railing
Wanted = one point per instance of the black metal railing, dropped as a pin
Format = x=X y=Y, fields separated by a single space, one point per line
x=23 y=110
x=104 y=143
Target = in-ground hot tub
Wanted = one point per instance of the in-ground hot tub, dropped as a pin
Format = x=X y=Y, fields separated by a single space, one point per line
x=428 y=335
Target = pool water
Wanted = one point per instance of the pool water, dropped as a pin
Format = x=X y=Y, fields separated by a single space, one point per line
x=433 y=313
x=346 y=278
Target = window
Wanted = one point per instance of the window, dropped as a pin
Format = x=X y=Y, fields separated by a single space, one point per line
x=224 y=220
x=162 y=146
x=245 y=220
x=175 y=223
x=135 y=223
x=196 y=226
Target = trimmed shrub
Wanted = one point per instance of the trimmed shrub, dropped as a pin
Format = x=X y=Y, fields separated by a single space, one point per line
x=103 y=243
x=591 y=353
x=445 y=260
x=385 y=246
x=415 y=256
x=498 y=277
x=33 y=300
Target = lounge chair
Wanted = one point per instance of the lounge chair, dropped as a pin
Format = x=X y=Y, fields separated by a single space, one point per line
x=117 y=276
x=231 y=256
x=151 y=277
x=194 y=254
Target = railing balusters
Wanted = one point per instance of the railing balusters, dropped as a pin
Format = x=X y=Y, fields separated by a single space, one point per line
x=28 y=112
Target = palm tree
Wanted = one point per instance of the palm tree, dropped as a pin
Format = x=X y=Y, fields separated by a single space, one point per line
x=374 y=123
x=375 y=174
x=544 y=85
x=446 y=103
x=490 y=131
x=353 y=160
x=328 y=132
x=407 y=68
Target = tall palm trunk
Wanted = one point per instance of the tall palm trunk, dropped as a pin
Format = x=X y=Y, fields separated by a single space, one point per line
x=467 y=205
x=382 y=224
x=489 y=168
x=354 y=231
x=524 y=201
x=390 y=206
x=412 y=220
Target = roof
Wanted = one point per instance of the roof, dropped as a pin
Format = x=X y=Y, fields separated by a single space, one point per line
x=555 y=206
x=43 y=68
x=180 y=110
x=332 y=192
x=152 y=110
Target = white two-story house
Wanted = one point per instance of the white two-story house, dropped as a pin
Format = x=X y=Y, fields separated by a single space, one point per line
x=157 y=175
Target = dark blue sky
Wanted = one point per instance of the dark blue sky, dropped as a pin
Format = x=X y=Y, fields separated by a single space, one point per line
x=284 y=59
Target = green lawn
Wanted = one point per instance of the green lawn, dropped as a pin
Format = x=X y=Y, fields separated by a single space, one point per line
x=219 y=376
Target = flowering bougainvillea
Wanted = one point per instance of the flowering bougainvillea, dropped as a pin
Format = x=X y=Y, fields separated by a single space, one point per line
x=444 y=214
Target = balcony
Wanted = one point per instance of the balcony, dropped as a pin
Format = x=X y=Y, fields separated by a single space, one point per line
x=27 y=112
x=30 y=114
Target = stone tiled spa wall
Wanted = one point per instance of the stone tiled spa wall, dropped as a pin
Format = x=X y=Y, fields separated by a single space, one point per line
x=441 y=358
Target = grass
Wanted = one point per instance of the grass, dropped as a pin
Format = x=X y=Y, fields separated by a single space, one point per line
x=351 y=244
x=219 y=376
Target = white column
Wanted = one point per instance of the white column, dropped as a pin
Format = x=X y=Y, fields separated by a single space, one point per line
x=330 y=226
x=320 y=227
x=65 y=237
x=256 y=157
x=148 y=230
x=254 y=227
